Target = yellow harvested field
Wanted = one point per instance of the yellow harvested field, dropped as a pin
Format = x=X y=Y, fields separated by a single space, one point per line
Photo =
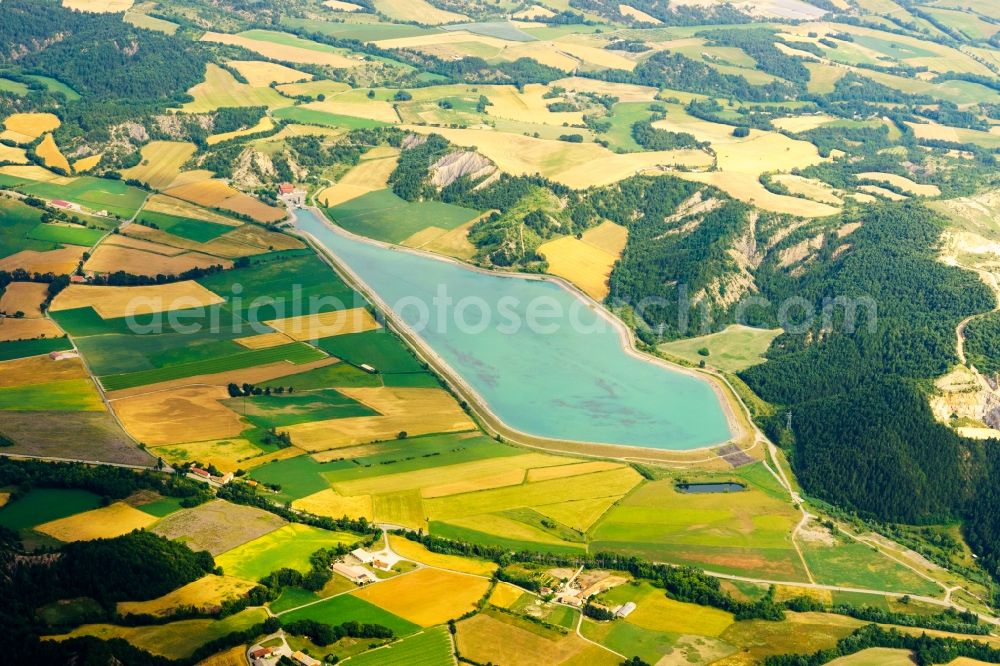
x=104 y=523
x=217 y=194
x=284 y=52
x=205 y=594
x=504 y=595
x=454 y=243
x=468 y=473
x=261 y=73
x=265 y=124
x=228 y=455
x=204 y=193
x=502 y=639
x=902 y=183
x=587 y=262
x=577 y=165
x=746 y=187
x=26 y=297
x=797 y=124
x=191 y=413
x=578 y=514
x=263 y=340
x=882 y=192
x=508 y=477
x=823 y=77
x=232 y=657
x=34 y=172
x=593 y=55
x=333 y=505
x=39 y=370
x=547 y=53
x=13 y=155
x=161 y=163
x=98 y=6
x=528 y=106
x=655 y=611
x=368 y=176
x=341 y=6
x=111 y=302
x=245 y=204
x=257 y=238
x=325 y=324
x=533 y=12
x=110 y=258
x=51 y=155
x=371 y=109
x=814 y=189
x=26 y=127
x=419 y=11
x=28 y=329
x=417 y=411
x=86 y=163
x=561 y=471
x=4 y=498
x=417 y=552
x=638 y=15
x=889 y=657
x=625 y=92
x=120 y=240
x=221 y=89
x=427 y=596
x=161 y=203
x=61 y=262
x=313 y=88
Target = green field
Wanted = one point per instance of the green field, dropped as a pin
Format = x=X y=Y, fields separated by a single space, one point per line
x=24 y=348
x=458 y=533
x=626 y=638
x=297 y=477
x=18 y=220
x=731 y=350
x=344 y=608
x=15 y=87
x=361 y=31
x=295 y=285
x=162 y=507
x=331 y=376
x=194 y=230
x=277 y=411
x=42 y=505
x=289 y=546
x=55 y=85
x=68 y=235
x=623 y=116
x=379 y=349
x=747 y=531
x=113 y=196
x=297 y=114
x=430 y=647
x=295 y=352
x=292 y=597
x=851 y=564
x=860 y=599
x=68 y=395
x=384 y=216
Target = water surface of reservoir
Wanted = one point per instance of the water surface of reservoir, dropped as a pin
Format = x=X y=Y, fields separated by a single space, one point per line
x=565 y=375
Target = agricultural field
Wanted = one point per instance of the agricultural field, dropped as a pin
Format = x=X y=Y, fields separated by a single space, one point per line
x=740 y=532
x=289 y=546
x=587 y=261
x=95 y=194
x=427 y=648
x=44 y=505
x=384 y=216
x=26 y=127
x=427 y=596
x=286 y=47
x=211 y=526
x=221 y=89
x=370 y=175
x=731 y=350
x=104 y=523
x=161 y=163
x=204 y=593
x=51 y=156
x=344 y=607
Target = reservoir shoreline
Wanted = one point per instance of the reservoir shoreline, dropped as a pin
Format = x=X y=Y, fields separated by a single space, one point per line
x=738 y=432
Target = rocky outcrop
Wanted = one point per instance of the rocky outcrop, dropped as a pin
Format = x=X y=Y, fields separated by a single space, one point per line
x=463 y=163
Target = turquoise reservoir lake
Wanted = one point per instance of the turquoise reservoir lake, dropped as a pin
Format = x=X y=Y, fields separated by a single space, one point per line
x=546 y=361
